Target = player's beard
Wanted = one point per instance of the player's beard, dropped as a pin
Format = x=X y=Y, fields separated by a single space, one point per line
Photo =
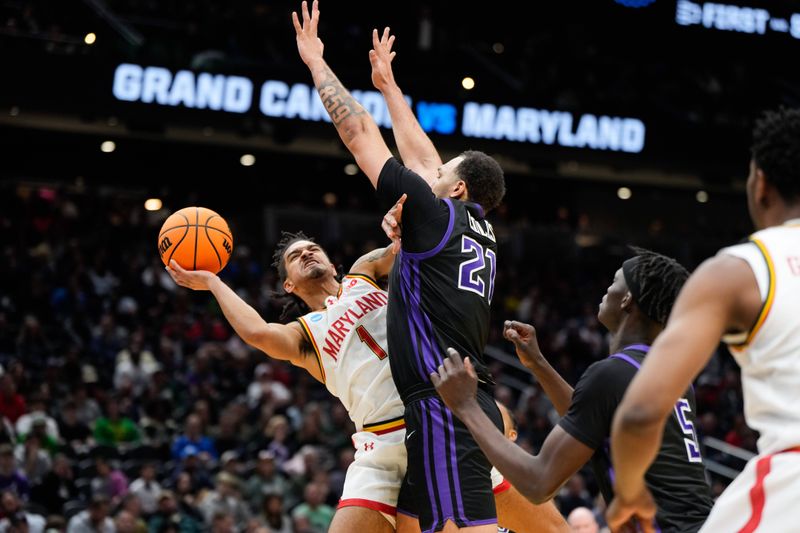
x=316 y=271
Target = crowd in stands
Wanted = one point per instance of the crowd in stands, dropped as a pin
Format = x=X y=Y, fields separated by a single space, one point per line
x=128 y=405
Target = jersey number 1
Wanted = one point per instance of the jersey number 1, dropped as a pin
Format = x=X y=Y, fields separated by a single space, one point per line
x=468 y=277
x=370 y=341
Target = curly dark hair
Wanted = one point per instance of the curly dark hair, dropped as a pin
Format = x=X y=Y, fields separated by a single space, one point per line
x=293 y=307
x=659 y=279
x=776 y=150
x=484 y=178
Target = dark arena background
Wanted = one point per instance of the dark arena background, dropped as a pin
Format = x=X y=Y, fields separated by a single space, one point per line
x=617 y=123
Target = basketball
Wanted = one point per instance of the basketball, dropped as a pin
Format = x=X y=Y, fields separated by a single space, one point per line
x=197 y=238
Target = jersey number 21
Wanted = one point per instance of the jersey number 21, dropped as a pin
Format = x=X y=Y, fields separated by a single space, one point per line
x=471 y=275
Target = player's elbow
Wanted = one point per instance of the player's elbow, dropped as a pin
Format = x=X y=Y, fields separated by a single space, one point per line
x=538 y=487
x=352 y=131
x=538 y=493
x=256 y=336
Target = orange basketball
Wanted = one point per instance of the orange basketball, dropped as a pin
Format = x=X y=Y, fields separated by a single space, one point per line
x=197 y=238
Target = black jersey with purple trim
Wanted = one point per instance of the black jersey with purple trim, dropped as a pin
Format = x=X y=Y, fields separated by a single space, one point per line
x=677 y=476
x=442 y=282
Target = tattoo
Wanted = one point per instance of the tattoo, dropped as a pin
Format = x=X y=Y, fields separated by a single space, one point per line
x=337 y=100
x=377 y=255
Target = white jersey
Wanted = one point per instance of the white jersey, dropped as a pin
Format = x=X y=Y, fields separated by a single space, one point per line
x=769 y=354
x=349 y=338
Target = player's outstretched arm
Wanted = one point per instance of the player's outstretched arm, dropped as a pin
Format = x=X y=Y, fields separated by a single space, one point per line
x=355 y=126
x=538 y=477
x=280 y=341
x=376 y=264
x=555 y=387
x=416 y=148
x=712 y=297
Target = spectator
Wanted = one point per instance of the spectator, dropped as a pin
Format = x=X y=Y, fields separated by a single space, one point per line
x=74 y=432
x=318 y=514
x=273 y=515
x=147 y=488
x=193 y=436
x=108 y=481
x=192 y=465
x=132 y=506
x=225 y=499
x=35 y=461
x=266 y=389
x=86 y=408
x=12 y=404
x=113 y=428
x=11 y=478
x=574 y=494
x=125 y=522
x=582 y=520
x=170 y=517
x=135 y=366
x=16 y=518
x=57 y=486
x=37 y=414
x=95 y=519
x=223 y=522
x=265 y=480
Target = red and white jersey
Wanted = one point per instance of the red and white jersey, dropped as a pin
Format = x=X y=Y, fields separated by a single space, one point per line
x=349 y=338
x=769 y=353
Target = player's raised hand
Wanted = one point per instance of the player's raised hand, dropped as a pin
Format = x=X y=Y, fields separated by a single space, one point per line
x=380 y=57
x=392 y=221
x=456 y=382
x=524 y=338
x=641 y=511
x=308 y=44
x=197 y=280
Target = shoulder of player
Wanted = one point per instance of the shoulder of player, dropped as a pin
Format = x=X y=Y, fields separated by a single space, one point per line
x=357 y=278
x=606 y=373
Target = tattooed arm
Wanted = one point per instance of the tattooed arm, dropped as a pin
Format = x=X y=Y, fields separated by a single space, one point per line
x=375 y=264
x=355 y=126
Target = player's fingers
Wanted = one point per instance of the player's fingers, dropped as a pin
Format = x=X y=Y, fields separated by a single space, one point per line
x=376 y=42
x=395 y=246
x=470 y=368
x=296 y=21
x=512 y=335
x=446 y=366
x=435 y=379
x=176 y=267
x=391 y=56
x=402 y=199
x=315 y=16
x=390 y=43
x=385 y=36
x=306 y=15
x=522 y=328
x=455 y=358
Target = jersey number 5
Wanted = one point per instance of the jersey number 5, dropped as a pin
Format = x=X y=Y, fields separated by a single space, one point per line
x=687 y=426
x=469 y=272
x=371 y=343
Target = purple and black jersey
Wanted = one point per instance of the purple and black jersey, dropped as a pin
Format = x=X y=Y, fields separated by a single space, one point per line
x=440 y=290
x=442 y=283
x=677 y=476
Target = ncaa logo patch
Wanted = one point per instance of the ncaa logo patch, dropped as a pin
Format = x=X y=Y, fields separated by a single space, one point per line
x=316 y=317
